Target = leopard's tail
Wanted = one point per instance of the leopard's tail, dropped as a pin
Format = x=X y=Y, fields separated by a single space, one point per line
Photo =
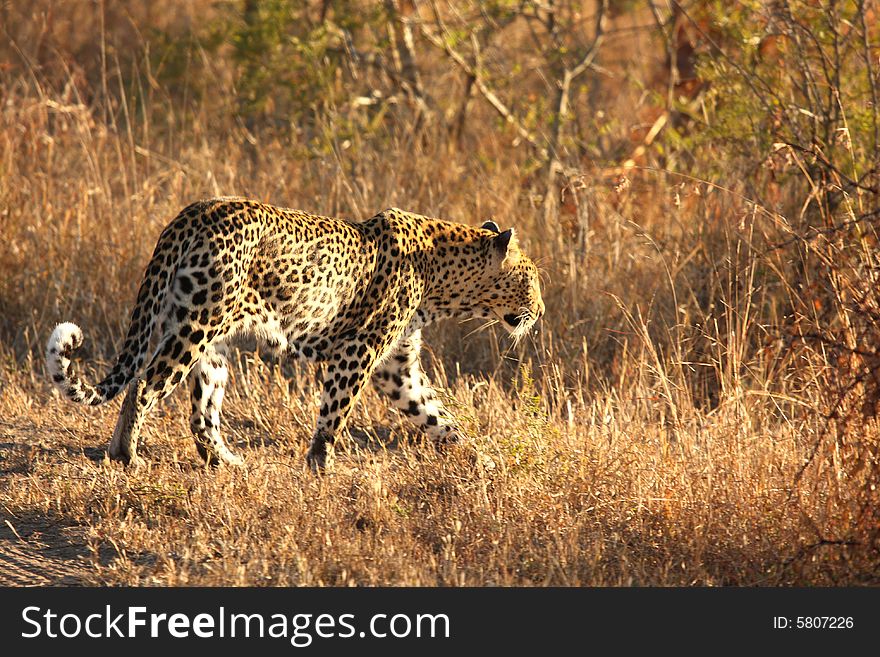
x=147 y=312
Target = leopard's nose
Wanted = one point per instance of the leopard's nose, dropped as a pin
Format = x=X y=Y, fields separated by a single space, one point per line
x=512 y=319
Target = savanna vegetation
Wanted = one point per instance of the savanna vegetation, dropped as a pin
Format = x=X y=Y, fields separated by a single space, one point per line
x=698 y=181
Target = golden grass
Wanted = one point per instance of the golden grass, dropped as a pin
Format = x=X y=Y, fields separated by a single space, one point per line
x=648 y=435
x=607 y=497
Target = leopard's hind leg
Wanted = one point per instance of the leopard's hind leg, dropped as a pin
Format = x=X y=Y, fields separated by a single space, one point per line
x=208 y=383
x=179 y=351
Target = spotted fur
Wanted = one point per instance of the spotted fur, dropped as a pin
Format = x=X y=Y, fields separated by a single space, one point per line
x=352 y=295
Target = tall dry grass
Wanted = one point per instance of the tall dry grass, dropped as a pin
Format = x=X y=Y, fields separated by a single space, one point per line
x=654 y=431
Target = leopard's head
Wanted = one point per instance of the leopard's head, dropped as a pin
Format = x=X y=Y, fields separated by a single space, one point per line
x=511 y=290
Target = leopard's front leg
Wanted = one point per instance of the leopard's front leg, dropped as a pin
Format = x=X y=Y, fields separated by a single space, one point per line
x=357 y=352
x=346 y=373
x=403 y=380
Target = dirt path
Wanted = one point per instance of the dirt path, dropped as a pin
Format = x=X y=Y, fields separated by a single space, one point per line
x=39 y=554
x=36 y=550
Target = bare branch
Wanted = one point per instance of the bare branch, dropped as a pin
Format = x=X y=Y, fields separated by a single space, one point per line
x=442 y=42
x=563 y=101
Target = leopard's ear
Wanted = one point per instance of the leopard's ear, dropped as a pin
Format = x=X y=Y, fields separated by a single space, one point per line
x=504 y=241
x=491 y=225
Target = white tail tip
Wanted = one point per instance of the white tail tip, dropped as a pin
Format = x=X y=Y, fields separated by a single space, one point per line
x=66 y=337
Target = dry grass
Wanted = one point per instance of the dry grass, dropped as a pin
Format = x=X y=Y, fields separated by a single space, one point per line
x=648 y=435
x=609 y=497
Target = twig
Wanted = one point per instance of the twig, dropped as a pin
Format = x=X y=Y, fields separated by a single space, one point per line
x=17 y=535
x=816 y=232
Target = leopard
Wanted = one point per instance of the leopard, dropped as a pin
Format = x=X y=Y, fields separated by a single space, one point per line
x=351 y=295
